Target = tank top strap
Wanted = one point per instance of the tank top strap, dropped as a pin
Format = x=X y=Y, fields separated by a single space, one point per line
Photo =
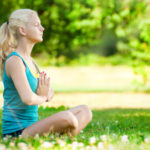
x=36 y=66
x=15 y=53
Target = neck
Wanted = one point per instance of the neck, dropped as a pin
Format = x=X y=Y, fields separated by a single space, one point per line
x=24 y=48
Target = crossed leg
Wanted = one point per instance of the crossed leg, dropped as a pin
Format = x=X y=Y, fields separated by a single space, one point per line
x=71 y=122
x=83 y=115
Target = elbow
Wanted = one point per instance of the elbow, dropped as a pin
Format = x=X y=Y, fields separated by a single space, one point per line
x=28 y=100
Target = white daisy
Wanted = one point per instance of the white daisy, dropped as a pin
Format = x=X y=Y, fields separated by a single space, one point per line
x=47 y=144
x=22 y=146
x=124 y=139
x=100 y=146
x=92 y=140
x=103 y=137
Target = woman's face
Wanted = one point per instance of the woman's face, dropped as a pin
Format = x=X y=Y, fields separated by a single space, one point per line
x=34 y=29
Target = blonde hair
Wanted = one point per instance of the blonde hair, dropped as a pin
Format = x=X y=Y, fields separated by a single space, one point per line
x=9 y=33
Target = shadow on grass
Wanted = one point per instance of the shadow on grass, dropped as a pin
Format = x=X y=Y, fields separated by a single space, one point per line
x=132 y=122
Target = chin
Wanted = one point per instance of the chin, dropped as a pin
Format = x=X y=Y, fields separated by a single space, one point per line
x=38 y=40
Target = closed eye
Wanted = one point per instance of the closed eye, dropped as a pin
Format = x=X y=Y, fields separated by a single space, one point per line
x=36 y=24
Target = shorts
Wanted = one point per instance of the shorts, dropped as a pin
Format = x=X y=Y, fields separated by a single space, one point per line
x=14 y=134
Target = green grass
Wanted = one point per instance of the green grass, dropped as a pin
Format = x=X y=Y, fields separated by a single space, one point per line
x=113 y=123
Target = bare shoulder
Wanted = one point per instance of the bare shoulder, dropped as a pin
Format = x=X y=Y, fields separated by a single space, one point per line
x=14 y=64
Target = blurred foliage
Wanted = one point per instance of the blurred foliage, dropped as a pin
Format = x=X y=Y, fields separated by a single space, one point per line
x=72 y=25
x=45 y=60
x=107 y=27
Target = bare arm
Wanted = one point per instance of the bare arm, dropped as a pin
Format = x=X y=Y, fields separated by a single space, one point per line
x=15 y=69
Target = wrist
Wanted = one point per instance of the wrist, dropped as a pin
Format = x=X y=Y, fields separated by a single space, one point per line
x=50 y=94
x=44 y=99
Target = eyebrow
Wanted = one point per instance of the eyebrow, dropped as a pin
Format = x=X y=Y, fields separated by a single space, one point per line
x=38 y=22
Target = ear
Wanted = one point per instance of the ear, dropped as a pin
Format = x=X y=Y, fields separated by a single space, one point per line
x=22 y=31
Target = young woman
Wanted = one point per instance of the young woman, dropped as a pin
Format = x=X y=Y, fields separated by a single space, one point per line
x=25 y=87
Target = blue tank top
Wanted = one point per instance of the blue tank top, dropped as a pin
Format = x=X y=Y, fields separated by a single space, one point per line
x=16 y=114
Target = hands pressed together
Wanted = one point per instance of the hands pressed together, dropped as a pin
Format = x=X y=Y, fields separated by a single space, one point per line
x=44 y=88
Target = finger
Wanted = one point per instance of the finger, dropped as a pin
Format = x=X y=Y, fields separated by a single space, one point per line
x=45 y=78
x=42 y=79
x=48 y=82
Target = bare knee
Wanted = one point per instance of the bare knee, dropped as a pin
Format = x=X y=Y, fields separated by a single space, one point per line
x=69 y=118
x=87 y=111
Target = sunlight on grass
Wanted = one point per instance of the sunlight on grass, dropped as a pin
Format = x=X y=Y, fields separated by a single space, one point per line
x=110 y=129
x=92 y=79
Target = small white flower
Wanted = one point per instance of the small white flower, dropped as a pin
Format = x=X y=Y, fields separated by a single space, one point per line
x=110 y=147
x=52 y=136
x=146 y=140
x=93 y=148
x=5 y=139
x=20 y=136
x=100 y=146
x=103 y=137
x=88 y=147
x=22 y=146
x=74 y=144
x=74 y=148
x=116 y=121
x=92 y=140
x=2 y=147
x=62 y=143
x=83 y=137
x=124 y=138
x=81 y=131
x=37 y=136
x=47 y=144
x=80 y=144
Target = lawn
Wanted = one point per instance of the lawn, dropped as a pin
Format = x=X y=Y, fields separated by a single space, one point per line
x=121 y=120
x=110 y=129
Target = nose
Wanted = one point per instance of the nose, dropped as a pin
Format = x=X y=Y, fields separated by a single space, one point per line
x=42 y=29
